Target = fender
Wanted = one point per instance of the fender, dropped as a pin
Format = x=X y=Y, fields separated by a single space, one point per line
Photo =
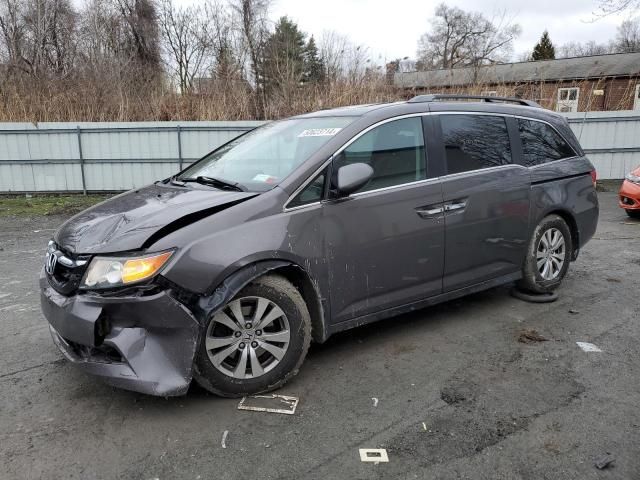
x=235 y=282
x=549 y=197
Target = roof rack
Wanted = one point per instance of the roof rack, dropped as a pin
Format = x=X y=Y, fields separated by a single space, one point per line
x=484 y=98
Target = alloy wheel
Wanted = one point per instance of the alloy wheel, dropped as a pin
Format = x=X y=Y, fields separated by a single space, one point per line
x=551 y=254
x=248 y=338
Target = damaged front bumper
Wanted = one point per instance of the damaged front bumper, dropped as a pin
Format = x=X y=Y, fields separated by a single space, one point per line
x=144 y=343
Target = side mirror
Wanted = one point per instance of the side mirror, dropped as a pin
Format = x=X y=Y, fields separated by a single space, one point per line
x=352 y=177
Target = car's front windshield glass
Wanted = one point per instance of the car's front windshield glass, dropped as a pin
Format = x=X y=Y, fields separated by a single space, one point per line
x=262 y=158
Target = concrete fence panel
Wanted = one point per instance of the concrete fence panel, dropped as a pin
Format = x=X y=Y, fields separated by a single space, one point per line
x=65 y=157
x=76 y=157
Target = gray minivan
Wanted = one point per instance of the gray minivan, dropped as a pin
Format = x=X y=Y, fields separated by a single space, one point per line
x=311 y=225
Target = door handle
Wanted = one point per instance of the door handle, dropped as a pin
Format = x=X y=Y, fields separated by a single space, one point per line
x=430 y=211
x=449 y=207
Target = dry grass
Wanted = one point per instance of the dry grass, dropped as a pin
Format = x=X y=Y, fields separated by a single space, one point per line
x=31 y=100
x=77 y=101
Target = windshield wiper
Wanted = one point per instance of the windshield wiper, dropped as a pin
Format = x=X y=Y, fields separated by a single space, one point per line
x=215 y=182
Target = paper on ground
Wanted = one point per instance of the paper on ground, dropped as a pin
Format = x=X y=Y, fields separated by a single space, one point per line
x=588 y=347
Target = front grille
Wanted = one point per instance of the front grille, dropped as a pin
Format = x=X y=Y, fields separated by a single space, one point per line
x=67 y=272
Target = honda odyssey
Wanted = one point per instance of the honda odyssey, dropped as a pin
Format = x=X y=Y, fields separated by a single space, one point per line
x=304 y=227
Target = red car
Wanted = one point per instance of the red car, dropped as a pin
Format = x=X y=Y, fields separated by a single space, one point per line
x=630 y=194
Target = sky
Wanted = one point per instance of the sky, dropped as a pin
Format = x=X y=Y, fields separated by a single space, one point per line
x=391 y=28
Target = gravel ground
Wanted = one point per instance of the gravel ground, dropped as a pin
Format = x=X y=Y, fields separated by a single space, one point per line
x=459 y=396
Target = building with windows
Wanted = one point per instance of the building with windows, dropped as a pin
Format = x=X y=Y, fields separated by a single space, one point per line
x=598 y=82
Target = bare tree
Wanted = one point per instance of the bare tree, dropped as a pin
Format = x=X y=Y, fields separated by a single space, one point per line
x=142 y=38
x=101 y=36
x=627 y=41
x=577 y=49
x=608 y=7
x=187 y=42
x=458 y=38
x=332 y=48
x=342 y=59
x=38 y=36
x=12 y=26
x=228 y=46
x=628 y=36
x=252 y=22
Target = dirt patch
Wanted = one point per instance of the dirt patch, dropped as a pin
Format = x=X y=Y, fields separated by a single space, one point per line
x=486 y=402
x=530 y=336
x=454 y=394
x=608 y=185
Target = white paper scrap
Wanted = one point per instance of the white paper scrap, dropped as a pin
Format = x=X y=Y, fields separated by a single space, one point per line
x=374 y=455
x=588 y=347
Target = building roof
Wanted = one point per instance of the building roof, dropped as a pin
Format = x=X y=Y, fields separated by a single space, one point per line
x=596 y=66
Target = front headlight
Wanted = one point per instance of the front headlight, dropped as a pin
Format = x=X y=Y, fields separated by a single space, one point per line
x=110 y=272
x=632 y=178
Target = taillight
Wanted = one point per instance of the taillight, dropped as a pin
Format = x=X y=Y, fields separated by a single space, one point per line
x=594 y=177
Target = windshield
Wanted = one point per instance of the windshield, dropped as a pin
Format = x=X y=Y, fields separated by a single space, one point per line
x=263 y=157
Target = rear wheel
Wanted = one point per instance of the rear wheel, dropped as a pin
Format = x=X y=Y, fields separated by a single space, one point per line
x=548 y=256
x=256 y=342
x=633 y=213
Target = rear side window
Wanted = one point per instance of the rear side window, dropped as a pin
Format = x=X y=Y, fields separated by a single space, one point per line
x=395 y=151
x=473 y=142
x=541 y=143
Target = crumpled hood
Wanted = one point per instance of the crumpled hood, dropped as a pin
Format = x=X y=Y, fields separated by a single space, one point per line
x=127 y=221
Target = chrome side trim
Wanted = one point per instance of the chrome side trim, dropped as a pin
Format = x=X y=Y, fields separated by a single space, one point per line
x=488 y=169
x=396 y=187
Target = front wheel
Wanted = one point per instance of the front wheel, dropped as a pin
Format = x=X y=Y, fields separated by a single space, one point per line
x=257 y=342
x=548 y=256
x=633 y=213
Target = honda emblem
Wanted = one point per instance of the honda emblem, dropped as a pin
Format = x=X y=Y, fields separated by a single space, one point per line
x=50 y=262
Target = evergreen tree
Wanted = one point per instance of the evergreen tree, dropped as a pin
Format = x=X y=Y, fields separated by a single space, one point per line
x=284 y=59
x=313 y=64
x=544 y=49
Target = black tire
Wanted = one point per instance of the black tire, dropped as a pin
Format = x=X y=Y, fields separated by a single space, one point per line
x=633 y=213
x=279 y=290
x=534 y=297
x=532 y=280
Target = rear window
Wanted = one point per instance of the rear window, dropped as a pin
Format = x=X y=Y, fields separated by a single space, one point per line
x=474 y=142
x=541 y=143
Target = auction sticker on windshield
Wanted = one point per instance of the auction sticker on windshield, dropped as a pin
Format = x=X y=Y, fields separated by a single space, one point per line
x=319 y=132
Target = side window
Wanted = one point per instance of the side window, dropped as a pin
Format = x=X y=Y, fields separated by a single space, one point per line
x=541 y=143
x=473 y=142
x=312 y=193
x=395 y=151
